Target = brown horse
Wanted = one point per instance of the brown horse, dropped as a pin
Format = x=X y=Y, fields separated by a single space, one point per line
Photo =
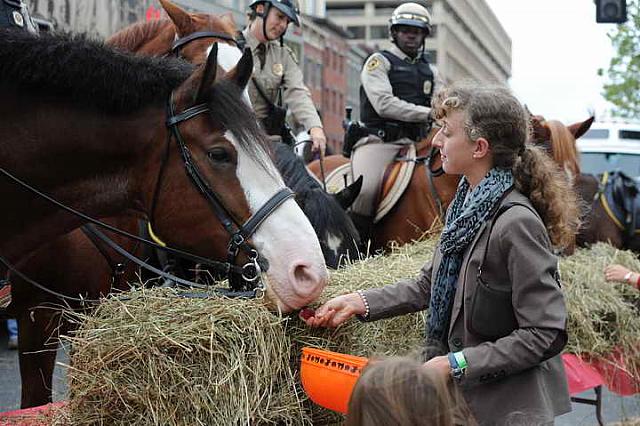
x=417 y=210
x=92 y=134
x=597 y=225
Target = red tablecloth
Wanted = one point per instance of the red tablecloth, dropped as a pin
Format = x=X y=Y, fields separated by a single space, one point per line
x=34 y=416
x=584 y=373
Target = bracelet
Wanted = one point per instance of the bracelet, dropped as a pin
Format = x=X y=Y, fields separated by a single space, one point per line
x=366 y=304
x=460 y=359
x=627 y=276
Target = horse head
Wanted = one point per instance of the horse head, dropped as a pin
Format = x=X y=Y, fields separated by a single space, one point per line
x=195 y=31
x=229 y=169
x=559 y=141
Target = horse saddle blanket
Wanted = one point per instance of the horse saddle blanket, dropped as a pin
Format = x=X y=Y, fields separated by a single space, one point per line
x=620 y=197
x=397 y=177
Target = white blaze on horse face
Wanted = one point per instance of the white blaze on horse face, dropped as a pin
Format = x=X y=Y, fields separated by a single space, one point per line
x=228 y=57
x=334 y=242
x=297 y=272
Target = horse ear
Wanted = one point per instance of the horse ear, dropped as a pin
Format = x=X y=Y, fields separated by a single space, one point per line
x=241 y=73
x=209 y=73
x=579 y=129
x=181 y=18
x=348 y=195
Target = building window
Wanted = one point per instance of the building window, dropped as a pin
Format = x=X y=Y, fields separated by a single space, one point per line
x=357 y=31
x=379 y=31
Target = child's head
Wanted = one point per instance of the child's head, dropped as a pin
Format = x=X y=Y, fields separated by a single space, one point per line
x=401 y=391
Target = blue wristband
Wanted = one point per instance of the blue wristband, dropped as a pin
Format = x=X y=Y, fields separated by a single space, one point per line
x=453 y=362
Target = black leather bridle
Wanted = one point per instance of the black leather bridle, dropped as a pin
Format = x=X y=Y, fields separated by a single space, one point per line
x=244 y=281
x=240 y=233
x=182 y=41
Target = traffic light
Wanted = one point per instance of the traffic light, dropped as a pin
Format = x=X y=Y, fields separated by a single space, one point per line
x=611 y=11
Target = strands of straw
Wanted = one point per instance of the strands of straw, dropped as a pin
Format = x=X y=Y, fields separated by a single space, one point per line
x=156 y=358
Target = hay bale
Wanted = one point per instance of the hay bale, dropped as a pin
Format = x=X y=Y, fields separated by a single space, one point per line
x=156 y=358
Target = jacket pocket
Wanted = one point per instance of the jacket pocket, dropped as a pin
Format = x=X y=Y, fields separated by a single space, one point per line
x=492 y=314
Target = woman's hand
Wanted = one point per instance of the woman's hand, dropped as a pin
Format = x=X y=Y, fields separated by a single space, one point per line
x=620 y=274
x=440 y=366
x=336 y=311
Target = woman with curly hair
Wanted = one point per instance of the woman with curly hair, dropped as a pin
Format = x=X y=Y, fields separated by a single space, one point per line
x=497 y=317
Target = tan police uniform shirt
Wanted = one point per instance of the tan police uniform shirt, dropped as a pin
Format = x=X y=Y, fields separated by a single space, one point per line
x=375 y=82
x=280 y=68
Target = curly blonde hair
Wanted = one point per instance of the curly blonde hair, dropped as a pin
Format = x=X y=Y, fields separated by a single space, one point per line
x=492 y=112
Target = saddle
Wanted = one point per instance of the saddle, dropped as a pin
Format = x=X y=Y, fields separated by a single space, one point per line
x=396 y=180
x=620 y=198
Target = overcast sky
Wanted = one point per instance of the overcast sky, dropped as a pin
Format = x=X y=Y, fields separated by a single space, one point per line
x=557 y=48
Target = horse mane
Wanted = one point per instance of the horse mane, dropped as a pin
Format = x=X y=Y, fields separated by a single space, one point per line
x=85 y=72
x=563 y=147
x=132 y=37
x=318 y=206
x=226 y=106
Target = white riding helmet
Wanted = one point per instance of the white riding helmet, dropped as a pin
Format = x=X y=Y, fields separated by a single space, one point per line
x=413 y=15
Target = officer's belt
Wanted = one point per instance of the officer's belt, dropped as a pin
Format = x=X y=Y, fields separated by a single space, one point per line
x=393 y=132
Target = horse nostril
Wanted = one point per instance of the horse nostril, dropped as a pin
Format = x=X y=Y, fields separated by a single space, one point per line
x=307 y=281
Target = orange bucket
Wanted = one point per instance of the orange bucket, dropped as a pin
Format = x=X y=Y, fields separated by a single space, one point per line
x=328 y=377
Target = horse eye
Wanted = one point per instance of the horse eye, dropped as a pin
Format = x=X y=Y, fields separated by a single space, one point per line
x=219 y=155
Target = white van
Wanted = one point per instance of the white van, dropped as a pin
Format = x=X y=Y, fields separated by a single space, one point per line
x=611 y=146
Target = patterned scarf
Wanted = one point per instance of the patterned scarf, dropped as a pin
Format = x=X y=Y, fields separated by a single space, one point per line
x=466 y=215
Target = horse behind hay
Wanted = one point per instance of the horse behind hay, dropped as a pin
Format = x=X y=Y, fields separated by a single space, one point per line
x=191 y=35
x=426 y=198
x=611 y=204
x=86 y=125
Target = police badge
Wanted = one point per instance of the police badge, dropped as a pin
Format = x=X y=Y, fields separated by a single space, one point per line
x=18 y=19
x=427 y=87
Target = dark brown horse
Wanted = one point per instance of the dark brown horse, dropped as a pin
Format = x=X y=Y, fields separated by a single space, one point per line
x=597 y=224
x=92 y=134
x=417 y=210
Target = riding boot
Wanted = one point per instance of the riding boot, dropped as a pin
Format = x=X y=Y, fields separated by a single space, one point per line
x=364 y=225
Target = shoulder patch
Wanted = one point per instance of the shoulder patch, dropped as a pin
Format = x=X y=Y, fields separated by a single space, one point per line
x=372 y=64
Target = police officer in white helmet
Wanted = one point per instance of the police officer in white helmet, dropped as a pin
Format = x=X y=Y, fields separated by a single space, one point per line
x=277 y=79
x=395 y=98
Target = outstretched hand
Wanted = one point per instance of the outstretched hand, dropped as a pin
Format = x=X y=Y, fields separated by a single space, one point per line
x=336 y=311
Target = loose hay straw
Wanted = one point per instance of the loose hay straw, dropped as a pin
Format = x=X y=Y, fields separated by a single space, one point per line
x=156 y=358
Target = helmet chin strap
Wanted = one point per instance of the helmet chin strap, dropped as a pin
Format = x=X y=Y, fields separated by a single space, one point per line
x=263 y=15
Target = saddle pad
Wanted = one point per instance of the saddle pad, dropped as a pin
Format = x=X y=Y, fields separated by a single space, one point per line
x=396 y=181
x=617 y=198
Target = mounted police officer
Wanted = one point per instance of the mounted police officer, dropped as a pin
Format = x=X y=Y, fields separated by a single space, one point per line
x=395 y=98
x=14 y=14
x=277 y=79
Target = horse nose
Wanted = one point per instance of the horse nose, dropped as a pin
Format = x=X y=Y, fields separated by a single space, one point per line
x=307 y=280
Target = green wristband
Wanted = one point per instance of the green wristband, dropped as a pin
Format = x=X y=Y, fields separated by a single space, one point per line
x=462 y=362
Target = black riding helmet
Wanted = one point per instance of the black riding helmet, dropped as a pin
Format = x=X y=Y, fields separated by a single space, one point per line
x=288 y=7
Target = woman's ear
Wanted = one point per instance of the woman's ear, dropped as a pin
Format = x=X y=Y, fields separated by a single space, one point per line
x=482 y=148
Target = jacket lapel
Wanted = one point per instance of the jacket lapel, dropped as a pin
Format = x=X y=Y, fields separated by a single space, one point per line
x=459 y=296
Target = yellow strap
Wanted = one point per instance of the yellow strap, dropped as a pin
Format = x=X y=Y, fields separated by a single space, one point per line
x=605 y=204
x=154 y=237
